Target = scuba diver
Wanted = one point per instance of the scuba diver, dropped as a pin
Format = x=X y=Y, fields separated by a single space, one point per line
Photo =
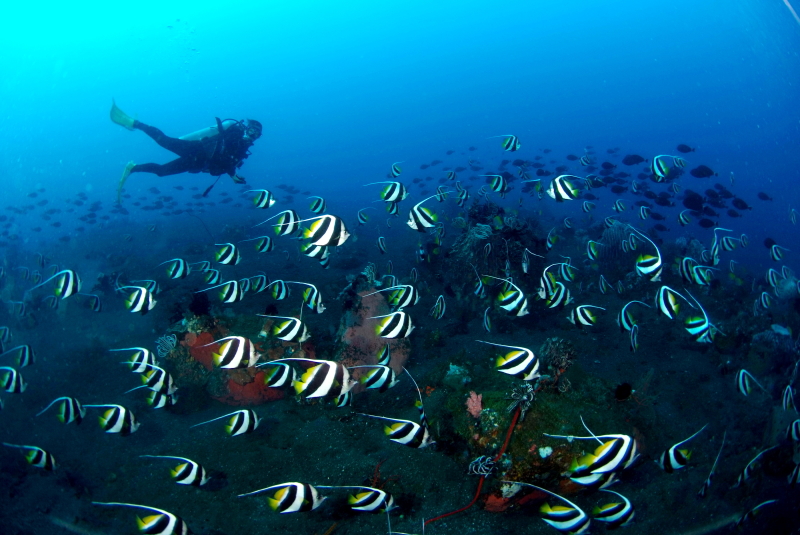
x=215 y=150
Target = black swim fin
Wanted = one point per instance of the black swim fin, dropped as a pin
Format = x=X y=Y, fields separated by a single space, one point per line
x=205 y=193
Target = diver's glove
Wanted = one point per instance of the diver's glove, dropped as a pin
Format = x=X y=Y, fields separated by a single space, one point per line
x=239 y=179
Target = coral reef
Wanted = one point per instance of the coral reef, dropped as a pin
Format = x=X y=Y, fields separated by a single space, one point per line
x=359 y=342
x=474 y=405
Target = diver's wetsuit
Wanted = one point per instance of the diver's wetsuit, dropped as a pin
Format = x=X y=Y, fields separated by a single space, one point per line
x=198 y=156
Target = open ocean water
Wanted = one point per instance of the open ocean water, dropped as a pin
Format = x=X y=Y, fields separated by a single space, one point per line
x=463 y=227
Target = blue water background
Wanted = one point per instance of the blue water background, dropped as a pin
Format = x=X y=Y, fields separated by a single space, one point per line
x=344 y=90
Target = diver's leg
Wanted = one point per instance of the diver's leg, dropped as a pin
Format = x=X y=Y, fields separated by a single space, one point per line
x=180 y=165
x=181 y=147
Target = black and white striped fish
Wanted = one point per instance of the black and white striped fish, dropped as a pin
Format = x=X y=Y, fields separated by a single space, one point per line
x=421 y=218
x=290 y=330
x=160 y=523
x=263 y=199
x=186 y=473
x=241 y=422
x=615 y=514
x=520 y=362
x=378 y=377
x=747 y=473
x=394 y=192
x=139 y=300
x=177 y=268
x=264 y=244
x=326 y=230
x=234 y=352
x=117 y=419
x=279 y=374
x=582 y=316
x=70 y=410
x=404 y=432
x=291 y=497
x=26 y=356
x=437 y=311
x=318 y=205
x=324 y=379
x=11 y=380
x=567 y=519
x=675 y=458
x=36 y=456
x=395 y=325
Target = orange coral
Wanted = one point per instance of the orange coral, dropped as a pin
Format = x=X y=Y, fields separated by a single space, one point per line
x=496 y=504
x=254 y=392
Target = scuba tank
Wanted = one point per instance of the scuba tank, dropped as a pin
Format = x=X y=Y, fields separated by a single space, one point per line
x=210 y=131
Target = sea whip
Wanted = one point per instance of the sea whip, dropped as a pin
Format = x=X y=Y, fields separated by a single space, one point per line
x=483 y=477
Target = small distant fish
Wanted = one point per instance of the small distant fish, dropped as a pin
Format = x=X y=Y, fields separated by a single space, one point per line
x=395 y=170
x=707 y=483
x=362 y=217
x=788 y=399
x=487 y=323
x=747 y=473
x=776 y=252
x=618 y=206
x=744 y=382
x=318 y=205
x=702 y=171
x=685 y=149
x=510 y=143
x=437 y=311
x=634 y=342
x=751 y=514
x=633 y=159
x=588 y=206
